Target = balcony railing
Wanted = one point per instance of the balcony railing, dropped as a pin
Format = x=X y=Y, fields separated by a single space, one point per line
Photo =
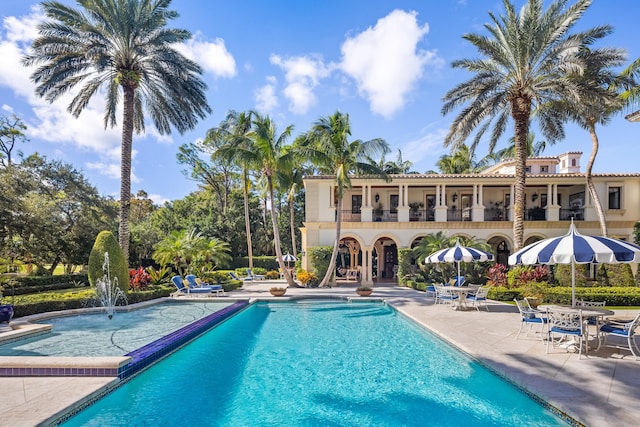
x=495 y=215
x=459 y=214
x=422 y=215
x=350 y=216
x=577 y=214
x=385 y=216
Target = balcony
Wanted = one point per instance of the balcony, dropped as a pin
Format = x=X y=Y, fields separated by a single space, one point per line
x=577 y=214
x=350 y=216
x=422 y=215
x=496 y=214
x=380 y=215
x=459 y=214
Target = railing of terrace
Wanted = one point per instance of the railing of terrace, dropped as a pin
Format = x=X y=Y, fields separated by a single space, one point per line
x=496 y=214
x=422 y=215
x=577 y=214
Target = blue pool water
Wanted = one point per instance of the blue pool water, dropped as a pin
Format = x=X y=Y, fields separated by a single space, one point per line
x=313 y=363
x=96 y=335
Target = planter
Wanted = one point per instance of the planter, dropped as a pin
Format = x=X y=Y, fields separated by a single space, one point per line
x=278 y=292
x=533 y=301
x=364 y=293
x=6 y=313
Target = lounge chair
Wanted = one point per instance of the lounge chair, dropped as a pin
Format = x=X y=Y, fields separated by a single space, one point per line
x=193 y=284
x=242 y=279
x=255 y=276
x=184 y=290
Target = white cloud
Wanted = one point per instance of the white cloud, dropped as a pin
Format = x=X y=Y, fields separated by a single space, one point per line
x=213 y=56
x=158 y=199
x=110 y=170
x=425 y=151
x=7 y=108
x=302 y=75
x=265 y=96
x=385 y=61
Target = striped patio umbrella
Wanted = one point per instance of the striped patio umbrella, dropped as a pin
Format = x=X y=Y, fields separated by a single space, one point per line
x=574 y=248
x=288 y=258
x=459 y=254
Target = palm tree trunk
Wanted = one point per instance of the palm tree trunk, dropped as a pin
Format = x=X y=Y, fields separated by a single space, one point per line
x=332 y=262
x=247 y=221
x=276 y=236
x=125 y=170
x=293 y=227
x=521 y=110
x=592 y=188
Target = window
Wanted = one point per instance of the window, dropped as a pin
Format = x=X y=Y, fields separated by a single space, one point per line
x=544 y=169
x=393 y=200
x=507 y=199
x=614 y=197
x=573 y=162
x=356 y=204
x=527 y=169
x=543 y=200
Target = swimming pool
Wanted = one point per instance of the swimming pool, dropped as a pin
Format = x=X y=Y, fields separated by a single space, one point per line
x=316 y=363
x=96 y=335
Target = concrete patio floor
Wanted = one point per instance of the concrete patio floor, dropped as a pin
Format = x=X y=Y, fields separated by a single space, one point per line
x=601 y=389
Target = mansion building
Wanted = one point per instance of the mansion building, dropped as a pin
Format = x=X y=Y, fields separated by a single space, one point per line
x=379 y=217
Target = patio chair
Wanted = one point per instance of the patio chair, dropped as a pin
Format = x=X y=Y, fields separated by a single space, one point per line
x=624 y=330
x=567 y=323
x=430 y=290
x=193 y=284
x=184 y=290
x=597 y=304
x=479 y=297
x=531 y=317
x=444 y=295
x=457 y=281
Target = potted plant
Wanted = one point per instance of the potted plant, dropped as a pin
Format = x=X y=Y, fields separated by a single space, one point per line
x=364 y=291
x=278 y=292
x=414 y=208
x=6 y=310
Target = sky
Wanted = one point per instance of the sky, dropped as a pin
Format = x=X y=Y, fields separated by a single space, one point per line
x=385 y=63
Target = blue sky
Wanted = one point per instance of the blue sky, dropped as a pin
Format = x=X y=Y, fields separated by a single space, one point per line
x=385 y=63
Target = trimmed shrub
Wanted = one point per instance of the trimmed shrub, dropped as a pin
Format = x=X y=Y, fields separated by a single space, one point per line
x=320 y=257
x=405 y=259
x=619 y=274
x=562 y=274
x=107 y=243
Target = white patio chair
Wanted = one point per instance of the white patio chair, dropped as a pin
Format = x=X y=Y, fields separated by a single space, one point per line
x=531 y=317
x=623 y=330
x=567 y=323
x=444 y=295
x=479 y=297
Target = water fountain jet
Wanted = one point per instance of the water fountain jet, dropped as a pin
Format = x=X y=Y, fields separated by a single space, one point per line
x=107 y=290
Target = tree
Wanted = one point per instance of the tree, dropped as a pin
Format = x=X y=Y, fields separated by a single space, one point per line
x=533 y=149
x=265 y=153
x=11 y=131
x=526 y=62
x=190 y=252
x=327 y=146
x=460 y=161
x=599 y=101
x=113 y=46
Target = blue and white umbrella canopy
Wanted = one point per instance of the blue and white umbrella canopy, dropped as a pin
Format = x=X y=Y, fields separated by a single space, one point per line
x=575 y=248
x=458 y=254
x=288 y=258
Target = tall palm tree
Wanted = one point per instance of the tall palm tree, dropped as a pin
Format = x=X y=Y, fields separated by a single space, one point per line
x=290 y=183
x=631 y=95
x=460 y=161
x=267 y=154
x=599 y=101
x=526 y=62
x=114 y=45
x=234 y=130
x=534 y=148
x=328 y=148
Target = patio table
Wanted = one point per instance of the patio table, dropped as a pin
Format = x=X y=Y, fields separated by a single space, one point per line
x=587 y=312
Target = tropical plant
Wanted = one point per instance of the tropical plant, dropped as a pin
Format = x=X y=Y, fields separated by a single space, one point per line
x=191 y=252
x=263 y=150
x=139 y=279
x=11 y=131
x=113 y=45
x=497 y=275
x=160 y=276
x=599 y=100
x=328 y=148
x=460 y=161
x=527 y=62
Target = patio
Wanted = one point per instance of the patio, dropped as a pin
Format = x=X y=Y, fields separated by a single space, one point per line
x=601 y=389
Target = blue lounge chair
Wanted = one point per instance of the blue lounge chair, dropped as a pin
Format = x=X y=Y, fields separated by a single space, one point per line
x=183 y=290
x=193 y=284
x=255 y=276
x=242 y=279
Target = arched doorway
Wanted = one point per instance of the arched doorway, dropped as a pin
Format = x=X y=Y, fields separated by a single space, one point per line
x=349 y=260
x=501 y=249
x=384 y=260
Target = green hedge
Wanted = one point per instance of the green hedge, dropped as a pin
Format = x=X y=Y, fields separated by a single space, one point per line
x=320 y=257
x=35 y=281
x=613 y=295
x=268 y=262
x=25 y=305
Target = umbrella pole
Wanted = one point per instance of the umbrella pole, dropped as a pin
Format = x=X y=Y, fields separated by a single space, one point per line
x=573 y=284
x=458 y=277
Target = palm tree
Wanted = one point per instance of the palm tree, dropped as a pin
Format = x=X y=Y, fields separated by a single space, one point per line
x=526 y=62
x=599 y=101
x=461 y=161
x=328 y=147
x=398 y=166
x=267 y=154
x=290 y=183
x=234 y=130
x=113 y=45
x=631 y=95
